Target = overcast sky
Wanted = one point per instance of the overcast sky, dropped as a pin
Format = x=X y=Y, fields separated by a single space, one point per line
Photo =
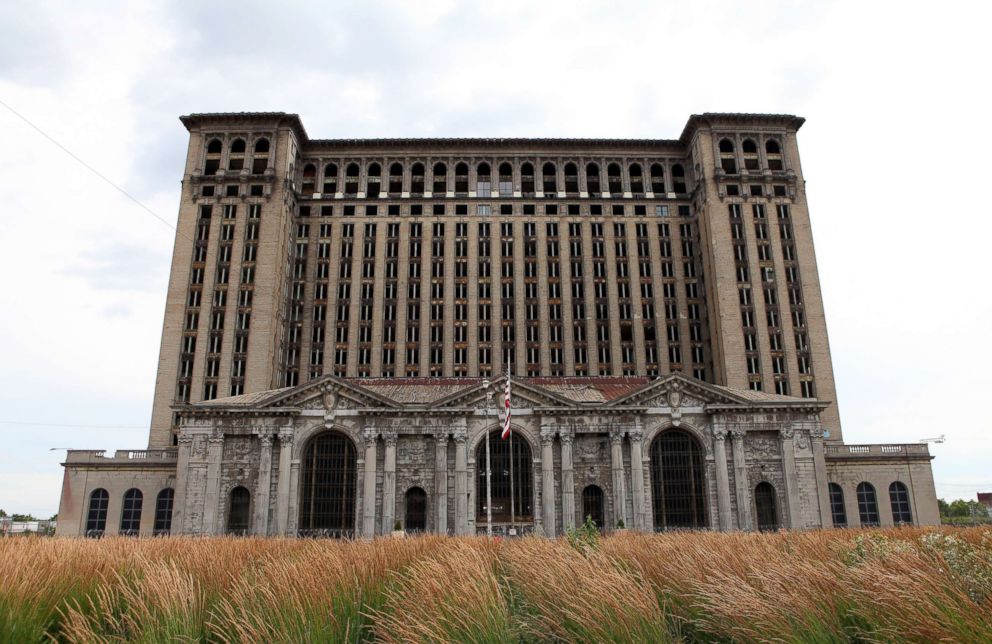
x=894 y=149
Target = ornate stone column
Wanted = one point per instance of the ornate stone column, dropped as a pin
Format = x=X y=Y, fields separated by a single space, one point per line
x=619 y=487
x=282 y=484
x=741 y=485
x=461 y=482
x=548 y=480
x=441 y=481
x=368 y=485
x=211 y=501
x=637 y=479
x=567 y=479
x=389 y=482
x=264 y=483
x=722 y=478
x=786 y=435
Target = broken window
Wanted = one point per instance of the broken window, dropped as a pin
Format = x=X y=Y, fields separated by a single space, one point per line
x=212 y=163
x=417 y=179
x=750 y=151
x=678 y=179
x=571 y=179
x=657 y=178
x=636 y=179
x=614 y=183
x=309 y=179
x=774 y=155
x=236 y=159
x=549 y=179
x=260 y=162
x=373 y=180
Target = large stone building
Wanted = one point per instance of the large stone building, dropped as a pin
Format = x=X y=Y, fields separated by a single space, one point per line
x=341 y=314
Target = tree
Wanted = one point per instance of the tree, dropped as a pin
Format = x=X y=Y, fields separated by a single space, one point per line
x=22 y=517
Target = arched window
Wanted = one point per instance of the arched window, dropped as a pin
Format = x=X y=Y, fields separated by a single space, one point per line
x=416 y=510
x=395 y=179
x=330 y=178
x=131 y=512
x=328 y=482
x=417 y=179
x=750 y=151
x=96 y=516
x=657 y=178
x=236 y=160
x=484 y=181
x=678 y=179
x=527 y=180
x=505 y=180
x=373 y=180
x=837 y=510
x=440 y=179
x=678 y=481
x=867 y=505
x=899 y=497
x=765 y=507
x=522 y=500
x=592 y=505
x=636 y=179
x=727 y=159
x=238 y=510
x=309 y=179
x=351 y=180
x=550 y=179
x=774 y=154
x=260 y=162
x=592 y=179
x=461 y=179
x=571 y=179
x=163 y=511
x=613 y=181
x=212 y=163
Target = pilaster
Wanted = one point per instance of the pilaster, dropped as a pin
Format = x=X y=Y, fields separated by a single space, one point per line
x=441 y=481
x=741 y=485
x=637 y=478
x=786 y=434
x=722 y=478
x=264 y=483
x=567 y=479
x=548 y=480
x=282 y=484
x=368 y=485
x=619 y=486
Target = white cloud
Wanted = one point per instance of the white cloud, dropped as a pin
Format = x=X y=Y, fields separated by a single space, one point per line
x=893 y=152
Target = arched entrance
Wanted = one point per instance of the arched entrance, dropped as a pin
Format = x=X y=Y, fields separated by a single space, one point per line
x=592 y=505
x=765 y=507
x=416 y=510
x=678 y=490
x=523 y=496
x=328 y=480
x=238 y=510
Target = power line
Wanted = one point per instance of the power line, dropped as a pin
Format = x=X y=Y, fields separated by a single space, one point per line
x=21 y=422
x=90 y=168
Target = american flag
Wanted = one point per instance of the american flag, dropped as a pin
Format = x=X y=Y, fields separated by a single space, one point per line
x=506 y=407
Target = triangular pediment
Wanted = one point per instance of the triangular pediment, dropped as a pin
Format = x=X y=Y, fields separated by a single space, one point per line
x=330 y=392
x=522 y=393
x=676 y=391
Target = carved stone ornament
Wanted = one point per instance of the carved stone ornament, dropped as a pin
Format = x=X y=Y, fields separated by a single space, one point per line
x=802 y=440
x=738 y=433
x=616 y=436
x=786 y=432
x=675 y=396
x=719 y=433
x=566 y=436
x=330 y=401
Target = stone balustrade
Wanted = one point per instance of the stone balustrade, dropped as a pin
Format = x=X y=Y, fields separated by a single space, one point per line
x=121 y=456
x=869 y=451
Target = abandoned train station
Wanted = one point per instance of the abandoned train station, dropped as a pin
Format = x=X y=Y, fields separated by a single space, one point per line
x=341 y=315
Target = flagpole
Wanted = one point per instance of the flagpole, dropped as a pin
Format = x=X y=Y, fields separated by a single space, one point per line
x=489 y=469
x=513 y=496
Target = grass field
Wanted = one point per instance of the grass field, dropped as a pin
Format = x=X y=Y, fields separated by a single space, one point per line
x=887 y=585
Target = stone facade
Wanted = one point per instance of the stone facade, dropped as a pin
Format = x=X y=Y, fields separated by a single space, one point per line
x=429 y=435
x=342 y=301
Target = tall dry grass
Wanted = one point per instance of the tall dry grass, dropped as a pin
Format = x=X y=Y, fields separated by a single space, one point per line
x=889 y=585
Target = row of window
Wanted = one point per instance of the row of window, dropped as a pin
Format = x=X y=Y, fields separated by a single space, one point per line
x=868 y=516
x=461 y=209
x=238 y=158
x=479 y=181
x=131 y=506
x=749 y=158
